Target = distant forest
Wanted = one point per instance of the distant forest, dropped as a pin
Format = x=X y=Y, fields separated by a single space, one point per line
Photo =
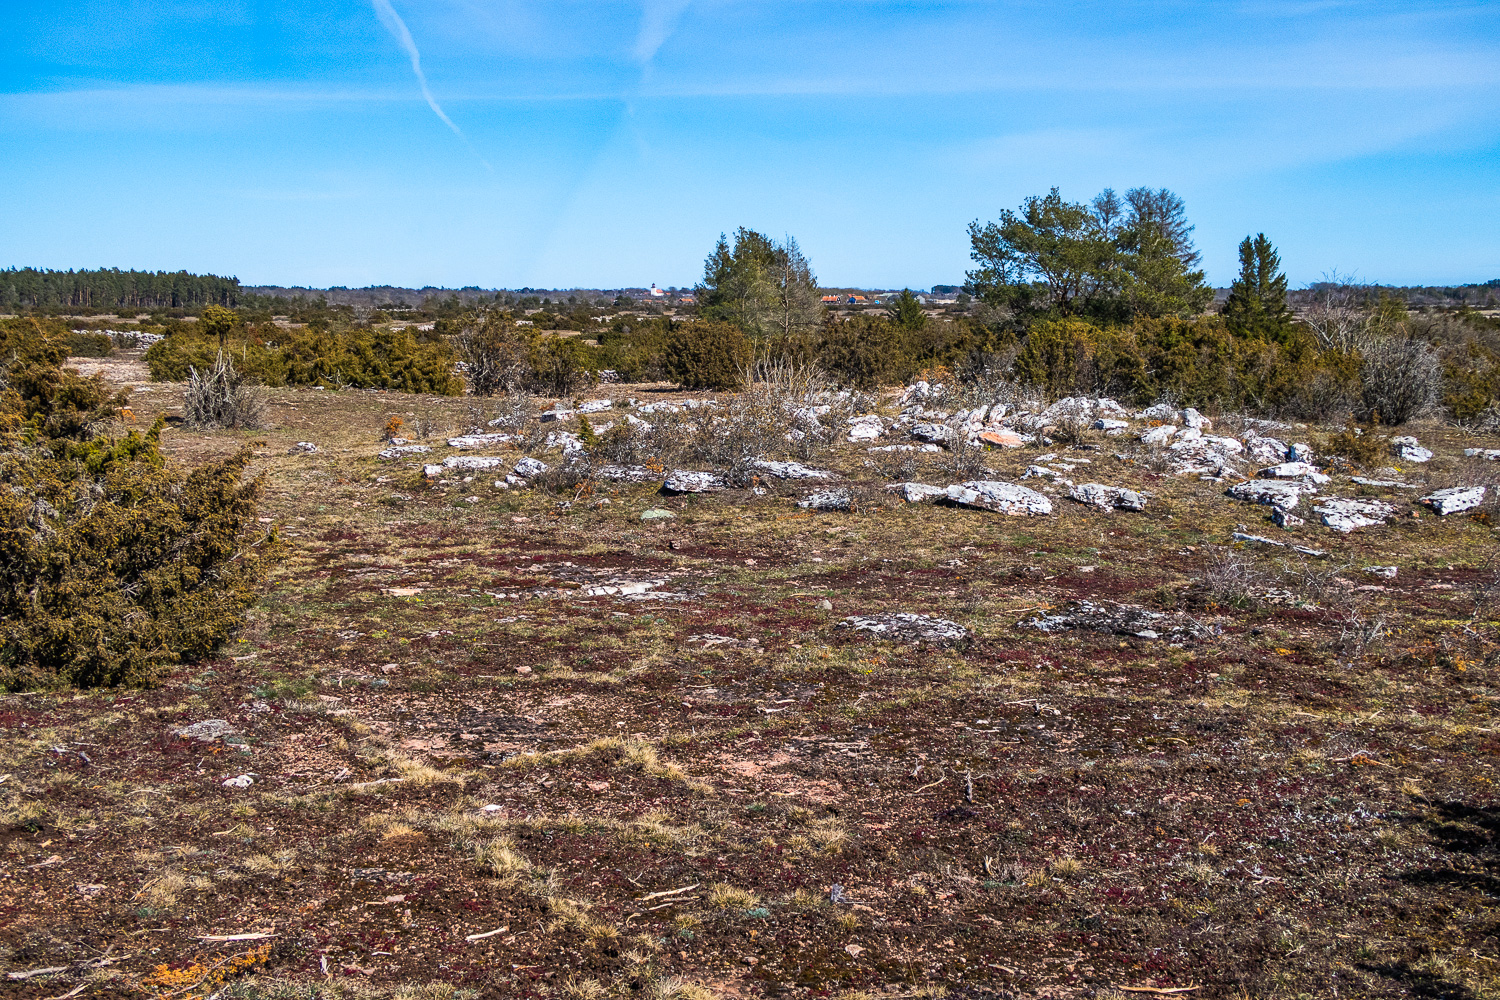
x=29 y=289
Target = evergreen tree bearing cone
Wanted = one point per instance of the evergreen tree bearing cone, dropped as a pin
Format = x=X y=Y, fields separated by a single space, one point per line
x=1256 y=307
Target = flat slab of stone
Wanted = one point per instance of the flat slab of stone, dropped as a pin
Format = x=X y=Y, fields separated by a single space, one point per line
x=1344 y=515
x=1111 y=618
x=1387 y=483
x=921 y=492
x=1295 y=470
x=472 y=462
x=1454 y=500
x=596 y=405
x=467 y=441
x=1240 y=536
x=827 y=500
x=1003 y=498
x=656 y=514
x=685 y=481
x=1107 y=497
x=932 y=433
x=206 y=731
x=793 y=470
x=1271 y=493
x=1003 y=438
x=528 y=467
x=626 y=473
x=905 y=626
x=402 y=450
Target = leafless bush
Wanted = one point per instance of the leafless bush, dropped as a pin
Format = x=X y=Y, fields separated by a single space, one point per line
x=1315 y=581
x=1232 y=579
x=1072 y=428
x=963 y=457
x=223 y=397
x=896 y=466
x=1401 y=378
x=1339 y=314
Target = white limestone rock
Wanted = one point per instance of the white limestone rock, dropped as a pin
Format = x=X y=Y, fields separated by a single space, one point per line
x=921 y=492
x=827 y=500
x=1454 y=500
x=1295 y=470
x=1344 y=515
x=793 y=470
x=685 y=481
x=1107 y=497
x=528 y=467
x=906 y=626
x=1271 y=493
x=1003 y=498
x=470 y=463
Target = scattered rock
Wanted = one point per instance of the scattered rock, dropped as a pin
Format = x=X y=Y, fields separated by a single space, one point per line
x=683 y=481
x=827 y=500
x=526 y=468
x=793 y=470
x=1286 y=519
x=466 y=441
x=1240 y=536
x=1454 y=500
x=432 y=471
x=1409 y=450
x=243 y=781
x=626 y=473
x=866 y=427
x=1111 y=426
x=548 y=416
x=402 y=450
x=1164 y=412
x=596 y=406
x=1112 y=618
x=1004 y=498
x=932 y=433
x=303 y=448
x=206 y=731
x=1195 y=420
x=656 y=514
x=1344 y=515
x=1107 y=497
x=570 y=443
x=1264 y=450
x=1488 y=454
x=825 y=605
x=1286 y=496
x=1158 y=436
x=1295 y=470
x=472 y=462
x=921 y=492
x=1299 y=453
x=1388 y=572
x=1003 y=437
x=907 y=626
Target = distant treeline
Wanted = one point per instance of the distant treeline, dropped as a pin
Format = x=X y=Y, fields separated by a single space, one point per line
x=36 y=290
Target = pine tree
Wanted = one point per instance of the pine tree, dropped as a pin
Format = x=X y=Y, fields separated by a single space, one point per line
x=1256 y=307
x=906 y=311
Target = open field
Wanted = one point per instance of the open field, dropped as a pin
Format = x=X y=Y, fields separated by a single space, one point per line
x=469 y=774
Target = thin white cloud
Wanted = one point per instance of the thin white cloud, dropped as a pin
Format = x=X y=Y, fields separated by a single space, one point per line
x=658 y=21
x=399 y=32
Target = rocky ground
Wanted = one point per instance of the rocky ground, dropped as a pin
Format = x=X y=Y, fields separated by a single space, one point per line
x=1062 y=719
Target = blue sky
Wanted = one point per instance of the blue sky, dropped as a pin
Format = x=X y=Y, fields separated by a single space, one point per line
x=606 y=144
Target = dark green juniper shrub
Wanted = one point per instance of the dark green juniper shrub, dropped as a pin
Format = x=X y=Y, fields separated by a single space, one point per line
x=114 y=565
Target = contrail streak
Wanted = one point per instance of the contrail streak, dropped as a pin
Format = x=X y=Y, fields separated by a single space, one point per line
x=399 y=32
